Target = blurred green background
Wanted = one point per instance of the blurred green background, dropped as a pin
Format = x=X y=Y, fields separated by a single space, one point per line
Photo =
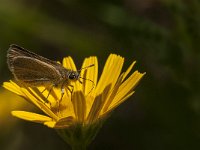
x=162 y=35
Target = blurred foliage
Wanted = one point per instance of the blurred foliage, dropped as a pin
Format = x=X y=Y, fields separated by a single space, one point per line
x=9 y=102
x=162 y=35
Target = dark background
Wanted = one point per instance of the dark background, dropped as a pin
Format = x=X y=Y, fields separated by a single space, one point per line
x=162 y=35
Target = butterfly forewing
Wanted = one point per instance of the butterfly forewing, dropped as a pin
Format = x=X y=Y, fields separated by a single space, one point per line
x=33 y=69
x=15 y=51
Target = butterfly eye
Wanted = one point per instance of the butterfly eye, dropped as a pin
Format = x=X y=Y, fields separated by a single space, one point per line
x=72 y=76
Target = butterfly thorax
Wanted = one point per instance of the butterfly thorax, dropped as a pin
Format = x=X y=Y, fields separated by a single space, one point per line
x=69 y=75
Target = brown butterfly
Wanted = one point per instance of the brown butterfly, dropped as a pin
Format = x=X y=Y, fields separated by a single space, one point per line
x=34 y=70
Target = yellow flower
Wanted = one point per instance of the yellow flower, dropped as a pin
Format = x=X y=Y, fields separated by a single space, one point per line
x=85 y=108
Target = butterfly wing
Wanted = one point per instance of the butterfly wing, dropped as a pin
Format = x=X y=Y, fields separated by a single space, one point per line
x=33 y=71
x=16 y=51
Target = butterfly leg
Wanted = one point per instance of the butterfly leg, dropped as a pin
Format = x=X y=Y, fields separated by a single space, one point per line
x=62 y=93
x=44 y=90
x=70 y=89
x=51 y=88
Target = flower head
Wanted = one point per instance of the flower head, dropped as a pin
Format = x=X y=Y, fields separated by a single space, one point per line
x=90 y=102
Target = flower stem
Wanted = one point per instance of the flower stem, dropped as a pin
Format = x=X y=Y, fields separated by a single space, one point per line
x=79 y=136
x=79 y=147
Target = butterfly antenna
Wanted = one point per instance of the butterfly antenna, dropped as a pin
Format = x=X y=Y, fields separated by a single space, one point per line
x=86 y=67
x=85 y=78
x=90 y=81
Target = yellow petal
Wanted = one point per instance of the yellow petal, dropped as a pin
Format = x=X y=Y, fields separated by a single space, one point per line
x=50 y=124
x=111 y=72
x=79 y=103
x=41 y=105
x=13 y=87
x=29 y=116
x=69 y=63
x=122 y=100
x=112 y=94
x=64 y=122
x=112 y=107
x=129 y=69
x=90 y=75
x=60 y=124
x=95 y=109
x=98 y=105
x=127 y=86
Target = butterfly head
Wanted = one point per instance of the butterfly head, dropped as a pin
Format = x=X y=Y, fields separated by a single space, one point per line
x=73 y=75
